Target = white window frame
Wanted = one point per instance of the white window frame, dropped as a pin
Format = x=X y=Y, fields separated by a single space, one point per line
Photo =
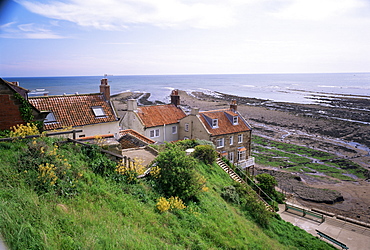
x=231 y=156
x=98 y=111
x=220 y=142
x=240 y=138
x=186 y=128
x=174 y=129
x=154 y=133
x=241 y=155
x=235 y=120
x=214 y=123
x=231 y=140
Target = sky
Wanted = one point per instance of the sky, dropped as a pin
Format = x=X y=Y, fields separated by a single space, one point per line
x=159 y=37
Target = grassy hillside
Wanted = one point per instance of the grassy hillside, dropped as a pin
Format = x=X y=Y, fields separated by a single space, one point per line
x=65 y=198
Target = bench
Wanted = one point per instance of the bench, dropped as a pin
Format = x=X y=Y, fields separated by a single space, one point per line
x=321 y=234
x=305 y=212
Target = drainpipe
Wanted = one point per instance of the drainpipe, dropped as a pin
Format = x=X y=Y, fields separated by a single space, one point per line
x=164 y=132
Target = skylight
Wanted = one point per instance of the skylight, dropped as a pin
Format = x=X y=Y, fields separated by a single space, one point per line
x=98 y=111
x=50 y=118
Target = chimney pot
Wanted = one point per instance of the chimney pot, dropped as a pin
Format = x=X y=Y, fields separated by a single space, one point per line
x=175 y=98
x=233 y=105
x=105 y=88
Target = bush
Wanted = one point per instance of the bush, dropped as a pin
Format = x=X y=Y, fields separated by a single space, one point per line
x=176 y=175
x=205 y=153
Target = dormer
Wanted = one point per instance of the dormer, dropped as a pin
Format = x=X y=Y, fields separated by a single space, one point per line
x=212 y=122
x=232 y=117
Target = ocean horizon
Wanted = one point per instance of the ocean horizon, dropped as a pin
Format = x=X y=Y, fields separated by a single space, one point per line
x=296 y=88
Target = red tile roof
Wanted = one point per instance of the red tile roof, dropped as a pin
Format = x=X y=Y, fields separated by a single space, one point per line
x=159 y=115
x=137 y=135
x=74 y=110
x=225 y=125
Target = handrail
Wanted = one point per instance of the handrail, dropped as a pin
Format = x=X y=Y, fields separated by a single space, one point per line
x=342 y=245
x=272 y=200
x=46 y=134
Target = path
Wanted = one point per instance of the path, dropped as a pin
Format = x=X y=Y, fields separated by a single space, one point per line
x=354 y=236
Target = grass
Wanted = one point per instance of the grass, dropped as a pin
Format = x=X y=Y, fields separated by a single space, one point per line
x=105 y=214
x=296 y=158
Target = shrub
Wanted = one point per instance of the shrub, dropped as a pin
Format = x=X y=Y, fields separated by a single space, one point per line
x=130 y=171
x=205 y=153
x=177 y=175
x=173 y=203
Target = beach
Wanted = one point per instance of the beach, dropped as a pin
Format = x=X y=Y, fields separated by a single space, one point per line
x=335 y=127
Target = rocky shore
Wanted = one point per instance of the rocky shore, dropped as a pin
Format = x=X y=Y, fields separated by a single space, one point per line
x=338 y=125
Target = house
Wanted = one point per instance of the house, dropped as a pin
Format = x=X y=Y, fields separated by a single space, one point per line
x=14 y=108
x=159 y=122
x=226 y=128
x=92 y=113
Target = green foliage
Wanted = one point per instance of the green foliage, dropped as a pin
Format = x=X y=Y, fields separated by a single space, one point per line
x=205 y=153
x=303 y=159
x=229 y=194
x=177 y=173
x=98 y=162
x=110 y=215
x=26 y=112
x=268 y=183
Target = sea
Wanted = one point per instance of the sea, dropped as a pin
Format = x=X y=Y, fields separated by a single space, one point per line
x=295 y=88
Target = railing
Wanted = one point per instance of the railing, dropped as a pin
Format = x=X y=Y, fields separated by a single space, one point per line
x=46 y=134
x=246 y=163
x=321 y=234
x=304 y=212
x=257 y=187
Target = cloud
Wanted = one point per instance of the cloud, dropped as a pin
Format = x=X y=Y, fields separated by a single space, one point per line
x=316 y=9
x=28 y=31
x=117 y=15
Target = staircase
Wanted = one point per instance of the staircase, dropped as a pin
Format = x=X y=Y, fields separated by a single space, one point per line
x=237 y=178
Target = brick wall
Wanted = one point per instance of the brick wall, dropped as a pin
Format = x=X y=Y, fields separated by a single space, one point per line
x=9 y=111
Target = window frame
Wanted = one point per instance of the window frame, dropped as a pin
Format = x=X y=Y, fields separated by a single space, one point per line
x=155 y=133
x=215 y=123
x=241 y=155
x=240 y=138
x=231 y=139
x=220 y=142
x=231 y=156
x=235 y=120
x=98 y=111
x=186 y=127
x=174 y=130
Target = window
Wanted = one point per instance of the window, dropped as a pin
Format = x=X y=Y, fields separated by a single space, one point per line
x=174 y=129
x=241 y=155
x=240 y=138
x=154 y=133
x=231 y=156
x=231 y=140
x=98 y=111
x=186 y=127
x=214 y=123
x=235 y=120
x=50 y=118
x=220 y=142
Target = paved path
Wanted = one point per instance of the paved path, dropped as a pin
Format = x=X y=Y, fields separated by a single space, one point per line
x=354 y=236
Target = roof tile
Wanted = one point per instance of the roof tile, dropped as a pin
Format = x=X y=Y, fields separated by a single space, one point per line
x=159 y=115
x=74 y=110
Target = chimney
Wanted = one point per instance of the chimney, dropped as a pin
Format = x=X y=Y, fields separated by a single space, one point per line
x=15 y=83
x=131 y=105
x=194 y=111
x=233 y=105
x=105 y=88
x=175 y=98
